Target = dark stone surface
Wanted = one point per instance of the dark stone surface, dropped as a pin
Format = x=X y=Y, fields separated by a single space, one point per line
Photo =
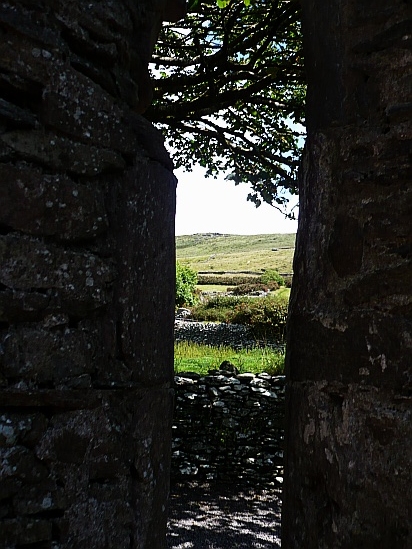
x=87 y=201
x=348 y=407
x=228 y=427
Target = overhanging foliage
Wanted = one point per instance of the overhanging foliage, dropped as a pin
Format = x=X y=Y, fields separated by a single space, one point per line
x=229 y=87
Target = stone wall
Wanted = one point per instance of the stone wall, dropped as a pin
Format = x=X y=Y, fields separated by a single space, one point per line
x=87 y=200
x=349 y=368
x=228 y=428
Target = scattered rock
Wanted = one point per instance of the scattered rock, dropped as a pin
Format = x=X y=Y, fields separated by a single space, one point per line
x=227 y=366
x=183 y=313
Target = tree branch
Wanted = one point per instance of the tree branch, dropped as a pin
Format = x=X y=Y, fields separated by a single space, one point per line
x=265 y=157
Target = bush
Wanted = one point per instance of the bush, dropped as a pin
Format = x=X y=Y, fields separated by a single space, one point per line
x=272 y=276
x=186 y=280
x=266 y=315
x=215 y=309
x=245 y=289
x=227 y=280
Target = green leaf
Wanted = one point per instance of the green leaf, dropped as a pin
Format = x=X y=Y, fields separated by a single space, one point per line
x=193 y=5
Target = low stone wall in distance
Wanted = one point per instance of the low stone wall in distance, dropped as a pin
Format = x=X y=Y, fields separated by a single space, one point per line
x=228 y=427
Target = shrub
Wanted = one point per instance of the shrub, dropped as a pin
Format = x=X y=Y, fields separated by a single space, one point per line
x=266 y=315
x=227 y=280
x=215 y=309
x=222 y=302
x=272 y=276
x=203 y=313
x=245 y=289
x=186 y=280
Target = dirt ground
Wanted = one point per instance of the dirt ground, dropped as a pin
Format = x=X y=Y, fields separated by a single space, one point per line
x=203 y=516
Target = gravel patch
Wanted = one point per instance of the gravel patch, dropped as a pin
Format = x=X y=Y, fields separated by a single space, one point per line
x=203 y=516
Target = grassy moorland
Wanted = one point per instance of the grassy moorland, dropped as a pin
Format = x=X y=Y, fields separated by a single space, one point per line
x=223 y=252
x=216 y=254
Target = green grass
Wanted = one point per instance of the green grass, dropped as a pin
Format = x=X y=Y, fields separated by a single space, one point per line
x=282 y=293
x=217 y=252
x=194 y=357
x=212 y=288
x=209 y=243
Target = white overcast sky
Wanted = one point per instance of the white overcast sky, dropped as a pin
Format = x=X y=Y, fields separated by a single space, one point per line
x=206 y=205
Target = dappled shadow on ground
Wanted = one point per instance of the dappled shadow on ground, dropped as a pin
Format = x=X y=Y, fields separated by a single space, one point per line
x=203 y=516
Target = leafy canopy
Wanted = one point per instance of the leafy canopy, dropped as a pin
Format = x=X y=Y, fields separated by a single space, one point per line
x=229 y=85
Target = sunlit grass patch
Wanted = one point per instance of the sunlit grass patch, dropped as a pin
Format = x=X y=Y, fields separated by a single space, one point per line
x=200 y=358
x=236 y=252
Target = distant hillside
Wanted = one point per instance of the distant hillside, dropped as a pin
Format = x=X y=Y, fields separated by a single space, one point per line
x=227 y=252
